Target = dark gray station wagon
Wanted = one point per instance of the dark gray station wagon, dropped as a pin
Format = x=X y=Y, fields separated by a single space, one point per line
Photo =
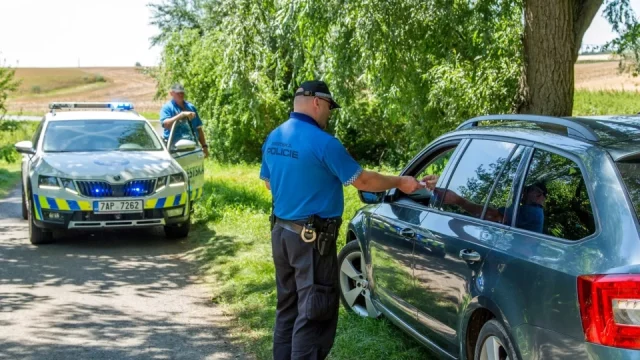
x=528 y=248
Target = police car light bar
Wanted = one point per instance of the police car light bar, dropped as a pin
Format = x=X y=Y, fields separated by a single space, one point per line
x=122 y=106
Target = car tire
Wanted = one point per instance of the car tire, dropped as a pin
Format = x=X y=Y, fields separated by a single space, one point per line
x=354 y=287
x=494 y=343
x=37 y=236
x=25 y=211
x=178 y=231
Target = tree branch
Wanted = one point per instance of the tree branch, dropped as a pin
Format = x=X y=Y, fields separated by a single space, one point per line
x=583 y=13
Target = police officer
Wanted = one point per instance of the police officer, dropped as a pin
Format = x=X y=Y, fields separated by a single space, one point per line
x=305 y=168
x=178 y=109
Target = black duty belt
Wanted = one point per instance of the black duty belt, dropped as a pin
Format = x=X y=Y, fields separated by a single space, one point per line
x=296 y=227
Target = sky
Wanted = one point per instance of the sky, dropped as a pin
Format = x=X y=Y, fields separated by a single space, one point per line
x=68 y=33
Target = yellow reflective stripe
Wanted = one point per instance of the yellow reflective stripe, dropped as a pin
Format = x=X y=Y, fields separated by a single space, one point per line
x=168 y=202
x=85 y=205
x=183 y=198
x=62 y=204
x=151 y=204
x=43 y=202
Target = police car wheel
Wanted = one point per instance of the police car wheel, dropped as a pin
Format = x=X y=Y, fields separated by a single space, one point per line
x=494 y=343
x=37 y=236
x=178 y=231
x=354 y=287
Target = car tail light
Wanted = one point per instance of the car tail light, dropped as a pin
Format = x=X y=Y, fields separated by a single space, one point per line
x=610 y=309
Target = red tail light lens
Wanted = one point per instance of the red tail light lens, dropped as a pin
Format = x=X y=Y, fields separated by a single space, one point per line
x=610 y=309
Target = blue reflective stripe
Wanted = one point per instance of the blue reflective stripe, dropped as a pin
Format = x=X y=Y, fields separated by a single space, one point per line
x=53 y=205
x=160 y=203
x=73 y=205
x=176 y=201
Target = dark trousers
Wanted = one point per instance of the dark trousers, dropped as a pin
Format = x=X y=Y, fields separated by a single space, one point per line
x=307 y=310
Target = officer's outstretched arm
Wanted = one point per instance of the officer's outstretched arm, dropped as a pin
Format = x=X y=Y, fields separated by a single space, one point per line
x=375 y=182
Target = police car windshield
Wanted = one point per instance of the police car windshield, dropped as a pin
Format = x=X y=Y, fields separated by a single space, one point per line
x=100 y=135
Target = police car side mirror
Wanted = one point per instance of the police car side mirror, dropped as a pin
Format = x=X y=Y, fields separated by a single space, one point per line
x=25 y=147
x=371 y=197
x=183 y=145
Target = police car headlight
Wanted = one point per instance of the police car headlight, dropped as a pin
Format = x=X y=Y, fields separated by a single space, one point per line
x=176 y=180
x=69 y=185
x=48 y=182
x=161 y=182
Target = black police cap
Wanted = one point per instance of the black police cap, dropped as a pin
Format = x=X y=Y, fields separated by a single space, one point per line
x=319 y=89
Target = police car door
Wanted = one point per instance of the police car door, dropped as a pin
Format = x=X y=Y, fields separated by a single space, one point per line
x=183 y=146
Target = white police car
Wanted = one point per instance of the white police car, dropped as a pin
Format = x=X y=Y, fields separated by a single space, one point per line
x=105 y=166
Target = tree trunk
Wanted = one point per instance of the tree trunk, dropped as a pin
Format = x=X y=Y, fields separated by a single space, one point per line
x=553 y=32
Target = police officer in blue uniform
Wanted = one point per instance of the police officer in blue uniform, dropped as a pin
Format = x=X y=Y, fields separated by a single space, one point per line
x=306 y=169
x=178 y=109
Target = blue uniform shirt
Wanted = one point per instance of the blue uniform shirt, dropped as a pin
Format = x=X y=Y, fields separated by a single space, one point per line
x=307 y=169
x=171 y=109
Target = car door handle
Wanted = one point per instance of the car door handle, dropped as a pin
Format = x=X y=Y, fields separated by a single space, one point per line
x=470 y=255
x=408 y=233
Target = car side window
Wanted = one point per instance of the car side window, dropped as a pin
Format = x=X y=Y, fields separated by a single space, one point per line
x=434 y=167
x=502 y=194
x=474 y=177
x=554 y=200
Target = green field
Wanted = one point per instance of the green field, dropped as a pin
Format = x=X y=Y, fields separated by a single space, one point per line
x=606 y=103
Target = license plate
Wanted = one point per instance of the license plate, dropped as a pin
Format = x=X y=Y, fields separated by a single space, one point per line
x=118 y=206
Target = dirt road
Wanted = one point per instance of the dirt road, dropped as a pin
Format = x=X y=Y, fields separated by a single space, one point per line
x=123 y=295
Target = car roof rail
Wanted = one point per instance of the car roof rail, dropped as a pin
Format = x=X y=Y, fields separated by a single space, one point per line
x=574 y=128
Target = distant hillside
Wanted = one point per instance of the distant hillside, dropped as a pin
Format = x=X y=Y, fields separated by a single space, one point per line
x=43 y=85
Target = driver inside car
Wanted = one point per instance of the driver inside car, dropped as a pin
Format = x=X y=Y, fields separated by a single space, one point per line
x=530 y=211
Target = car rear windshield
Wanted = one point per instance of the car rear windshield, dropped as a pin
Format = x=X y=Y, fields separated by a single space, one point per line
x=630 y=172
x=100 y=135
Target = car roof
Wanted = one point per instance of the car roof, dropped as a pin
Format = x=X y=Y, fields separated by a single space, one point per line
x=617 y=134
x=93 y=115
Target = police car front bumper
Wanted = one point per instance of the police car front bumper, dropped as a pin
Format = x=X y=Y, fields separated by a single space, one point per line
x=56 y=213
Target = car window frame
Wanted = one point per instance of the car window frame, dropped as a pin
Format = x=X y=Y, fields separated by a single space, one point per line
x=520 y=170
x=590 y=192
x=423 y=158
x=450 y=176
x=37 y=135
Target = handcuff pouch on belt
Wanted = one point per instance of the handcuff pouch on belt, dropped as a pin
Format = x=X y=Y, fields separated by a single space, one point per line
x=322 y=232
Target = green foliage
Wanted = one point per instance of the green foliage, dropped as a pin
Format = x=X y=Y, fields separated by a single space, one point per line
x=36 y=89
x=404 y=70
x=7 y=85
x=12 y=132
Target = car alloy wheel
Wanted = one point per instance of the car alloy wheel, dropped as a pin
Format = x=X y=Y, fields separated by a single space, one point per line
x=354 y=287
x=493 y=349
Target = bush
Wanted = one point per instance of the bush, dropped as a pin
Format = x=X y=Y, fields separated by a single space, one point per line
x=36 y=89
x=99 y=78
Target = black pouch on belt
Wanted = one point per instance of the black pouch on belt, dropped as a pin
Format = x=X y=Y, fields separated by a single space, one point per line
x=327 y=236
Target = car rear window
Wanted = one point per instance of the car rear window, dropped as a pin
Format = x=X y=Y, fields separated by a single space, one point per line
x=630 y=172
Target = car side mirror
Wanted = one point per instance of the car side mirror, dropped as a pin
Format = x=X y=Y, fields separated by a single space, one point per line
x=184 y=145
x=25 y=147
x=371 y=197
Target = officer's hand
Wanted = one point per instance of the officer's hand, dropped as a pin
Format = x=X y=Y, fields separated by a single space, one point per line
x=409 y=185
x=430 y=181
x=188 y=114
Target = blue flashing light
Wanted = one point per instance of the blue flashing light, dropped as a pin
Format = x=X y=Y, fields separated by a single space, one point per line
x=121 y=106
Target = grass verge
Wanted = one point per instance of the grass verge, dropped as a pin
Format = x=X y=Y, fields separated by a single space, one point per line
x=235 y=253
x=9 y=177
x=605 y=102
